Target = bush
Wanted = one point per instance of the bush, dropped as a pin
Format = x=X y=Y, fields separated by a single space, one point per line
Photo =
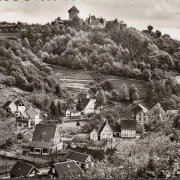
x=10 y=81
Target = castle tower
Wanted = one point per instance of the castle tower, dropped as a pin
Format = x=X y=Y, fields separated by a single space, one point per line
x=73 y=12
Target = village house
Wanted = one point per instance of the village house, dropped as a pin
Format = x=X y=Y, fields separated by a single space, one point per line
x=10 y=107
x=106 y=132
x=128 y=129
x=84 y=105
x=23 y=170
x=31 y=117
x=140 y=114
x=171 y=114
x=46 y=140
x=85 y=161
x=20 y=106
x=67 y=169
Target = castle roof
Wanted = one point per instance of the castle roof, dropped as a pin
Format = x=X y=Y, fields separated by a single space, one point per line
x=73 y=9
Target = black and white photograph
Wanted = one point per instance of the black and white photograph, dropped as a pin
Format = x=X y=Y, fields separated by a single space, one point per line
x=90 y=89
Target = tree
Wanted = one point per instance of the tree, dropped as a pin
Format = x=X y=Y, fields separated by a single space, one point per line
x=115 y=95
x=133 y=92
x=52 y=109
x=101 y=99
x=146 y=74
x=79 y=105
x=20 y=137
x=77 y=124
x=150 y=28
x=59 y=108
x=124 y=92
x=26 y=43
x=58 y=91
x=9 y=142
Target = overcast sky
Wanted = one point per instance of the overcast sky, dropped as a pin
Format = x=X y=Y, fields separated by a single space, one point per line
x=163 y=15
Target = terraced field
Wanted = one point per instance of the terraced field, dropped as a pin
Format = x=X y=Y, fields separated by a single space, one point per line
x=77 y=80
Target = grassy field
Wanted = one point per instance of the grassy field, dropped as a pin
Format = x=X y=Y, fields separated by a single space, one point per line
x=77 y=80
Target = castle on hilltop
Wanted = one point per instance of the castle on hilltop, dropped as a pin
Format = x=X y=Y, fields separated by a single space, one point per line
x=92 y=22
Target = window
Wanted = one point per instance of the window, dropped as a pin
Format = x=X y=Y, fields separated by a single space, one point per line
x=139 y=114
x=139 y=119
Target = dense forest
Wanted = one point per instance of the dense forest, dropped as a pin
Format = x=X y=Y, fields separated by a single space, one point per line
x=129 y=53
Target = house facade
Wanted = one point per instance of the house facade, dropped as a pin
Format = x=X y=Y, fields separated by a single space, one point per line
x=94 y=135
x=9 y=106
x=20 y=106
x=87 y=106
x=105 y=133
x=29 y=118
x=85 y=161
x=128 y=128
x=46 y=140
x=140 y=114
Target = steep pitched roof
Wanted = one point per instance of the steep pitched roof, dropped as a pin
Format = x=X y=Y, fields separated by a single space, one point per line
x=38 y=144
x=138 y=109
x=64 y=168
x=116 y=128
x=81 y=95
x=21 y=169
x=103 y=125
x=128 y=124
x=17 y=102
x=84 y=102
x=7 y=104
x=77 y=156
x=44 y=132
x=73 y=9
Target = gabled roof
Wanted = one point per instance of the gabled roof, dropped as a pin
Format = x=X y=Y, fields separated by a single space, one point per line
x=64 y=168
x=103 y=125
x=7 y=104
x=81 y=95
x=84 y=103
x=128 y=124
x=73 y=9
x=38 y=144
x=21 y=169
x=138 y=109
x=77 y=156
x=116 y=128
x=17 y=102
x=44 y=132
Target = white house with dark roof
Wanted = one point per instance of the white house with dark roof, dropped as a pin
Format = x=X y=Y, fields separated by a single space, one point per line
x=67 y=169
x=46 y=140
x=9 y=106
x=29 y=118
x=128 y=128
x=105 y=132
x=83 y=160
x=87 y=106
x=21 y=107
